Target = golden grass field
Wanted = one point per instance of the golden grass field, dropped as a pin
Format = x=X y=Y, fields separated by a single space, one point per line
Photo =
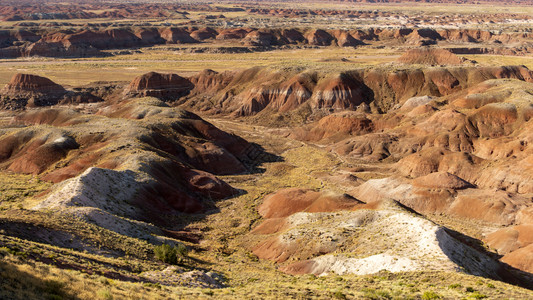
x=77 y=72
x=125 y=67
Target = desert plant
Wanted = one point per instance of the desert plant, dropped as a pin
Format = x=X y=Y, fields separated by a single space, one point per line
x=477 y=295
x=429 y=295
x=339 y=295
x=454 y=285
x=170 y=254
x=105 y=294
x=375 y=294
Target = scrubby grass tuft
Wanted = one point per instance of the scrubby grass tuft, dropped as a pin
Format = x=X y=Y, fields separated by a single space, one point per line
x=170 y=254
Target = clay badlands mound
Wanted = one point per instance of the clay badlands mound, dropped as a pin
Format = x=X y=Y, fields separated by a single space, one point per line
x=406 y=170
x=97 y=39
x=430 y=56
x=27 y=90
x=454 y=139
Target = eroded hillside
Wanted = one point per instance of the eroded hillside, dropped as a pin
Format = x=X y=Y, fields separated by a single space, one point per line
x=372 y=175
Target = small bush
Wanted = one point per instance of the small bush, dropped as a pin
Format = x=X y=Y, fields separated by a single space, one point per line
x=104 y=294
x=376 y=294
x=170 y=255
x=430 y=296
x=156 y=285
x=454 y=286
x=339 y=295
x=477 y=295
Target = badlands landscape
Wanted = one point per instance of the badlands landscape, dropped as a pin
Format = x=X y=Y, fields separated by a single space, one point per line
x=266 y=150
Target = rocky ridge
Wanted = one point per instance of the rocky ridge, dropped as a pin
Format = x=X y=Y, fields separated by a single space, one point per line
x=90 y=42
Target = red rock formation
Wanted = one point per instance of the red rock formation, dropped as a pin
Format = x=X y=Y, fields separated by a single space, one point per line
x=176 y=36
x=334 y=127
x=282 y=96
x=442 y=180
x=294 y=92
x=209 y=79
x=319 y=37
x=340 y=92
x=59 y=49
x=423 y=34
x=28 y=84
x=278 y=206
x=149 y=36
x=292 y=36
x=32 y=90
x=494 y=120
x=259 y=38
x=430 y=56
x=251 y=91
x=164 y=86
x=204 y=34
x=83 y=42
x=345 y=39
x=178 y=148
x=284 y=203
x=230 y=34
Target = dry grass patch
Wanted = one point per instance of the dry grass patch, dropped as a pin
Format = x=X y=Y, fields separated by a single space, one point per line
x=16 y=190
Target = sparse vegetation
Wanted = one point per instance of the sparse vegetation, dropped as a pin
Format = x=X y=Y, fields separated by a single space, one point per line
x=339 y=295
x=104 y=294
x=477 y=295
x=170 y=254
x=430 y=295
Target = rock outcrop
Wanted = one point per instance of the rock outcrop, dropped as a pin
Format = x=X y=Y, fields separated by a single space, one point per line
x=165 y=160
x=301 y=229
x=259 y=38
x=28 y=84
x=32 y=90
x=257 y=90
x=89 y=41
x=162 y=86
x=319 y=37
x=177 y=36
x=430 y=56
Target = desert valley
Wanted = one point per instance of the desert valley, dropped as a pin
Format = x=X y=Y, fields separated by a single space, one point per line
x=266 y=150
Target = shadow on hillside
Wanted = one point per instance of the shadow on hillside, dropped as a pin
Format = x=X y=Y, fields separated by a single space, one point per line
x=502 y=271
x=17 y=284
x=254 y=155
x=178 y=226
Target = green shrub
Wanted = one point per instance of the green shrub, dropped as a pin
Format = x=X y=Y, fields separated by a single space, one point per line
x=375 y=294
x=430 y=295
x=170 y=255
x=104 y=294
x=454 y=286
x=339 y=295
x=477 y=295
